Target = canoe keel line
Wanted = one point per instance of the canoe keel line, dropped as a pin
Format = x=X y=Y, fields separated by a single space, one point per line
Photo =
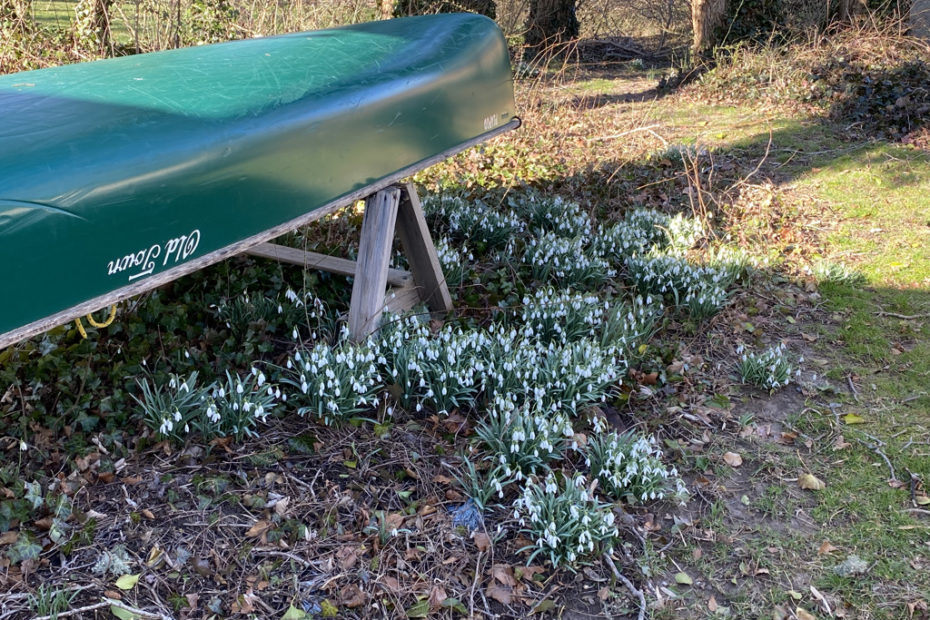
x=159 y=233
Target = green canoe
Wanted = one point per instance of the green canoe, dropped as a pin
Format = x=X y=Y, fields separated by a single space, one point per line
x=121 y=174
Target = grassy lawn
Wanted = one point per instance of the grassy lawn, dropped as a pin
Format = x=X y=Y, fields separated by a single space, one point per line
x=54 y=13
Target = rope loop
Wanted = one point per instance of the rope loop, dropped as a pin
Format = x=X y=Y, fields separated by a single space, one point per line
x=94 y=323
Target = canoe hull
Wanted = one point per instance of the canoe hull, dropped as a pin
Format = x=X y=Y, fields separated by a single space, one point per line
x=116 y=172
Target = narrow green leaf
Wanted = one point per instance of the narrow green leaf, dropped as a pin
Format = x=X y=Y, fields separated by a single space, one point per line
x=420 y=609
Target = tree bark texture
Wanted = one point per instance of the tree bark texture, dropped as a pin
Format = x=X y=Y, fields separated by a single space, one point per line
x=551 y=24
x=847 y=10
x=707 y=16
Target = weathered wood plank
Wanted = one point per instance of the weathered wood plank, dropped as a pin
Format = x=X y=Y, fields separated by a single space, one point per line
x=400 y=300
x=421 y=253
x=323 y=262
x=374 y=255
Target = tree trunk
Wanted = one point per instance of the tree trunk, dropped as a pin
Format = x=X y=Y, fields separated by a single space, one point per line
x=387 y=9
x=550 y=26
x=847 y=10
x=706 y=18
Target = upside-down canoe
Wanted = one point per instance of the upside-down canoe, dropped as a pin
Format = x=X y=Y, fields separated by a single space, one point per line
x=122 y=174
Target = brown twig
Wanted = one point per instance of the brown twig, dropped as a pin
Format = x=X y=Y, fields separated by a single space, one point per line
x=629 y=586
x=874 y=448
x=650 y=129
x=107 y=602
x=906 y=317
x=852 y=388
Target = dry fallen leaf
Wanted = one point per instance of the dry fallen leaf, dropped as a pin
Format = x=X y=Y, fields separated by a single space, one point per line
x=504 y=574
x=826 y=547
x=346 y=557
x=733 y=459
x=390 y=583
x=395 y=521
x=712 y=603
x=261 y=526
x=482 y=541
x=811 y=482
x=436 y=596
x=352 y=596
x=803 y=614
x=527 y=572
x=500 y=594
x=280 y=507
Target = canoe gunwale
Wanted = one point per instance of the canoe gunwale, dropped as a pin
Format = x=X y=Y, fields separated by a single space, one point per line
x=42 y=325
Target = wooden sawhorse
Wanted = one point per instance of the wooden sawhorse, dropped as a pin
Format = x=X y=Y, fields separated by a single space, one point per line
x=393 y=210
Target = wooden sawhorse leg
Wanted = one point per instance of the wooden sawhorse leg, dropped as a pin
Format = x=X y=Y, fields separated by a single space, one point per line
x=393 y=210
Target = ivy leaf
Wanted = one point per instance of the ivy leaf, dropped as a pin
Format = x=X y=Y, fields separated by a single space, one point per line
x=25 y=548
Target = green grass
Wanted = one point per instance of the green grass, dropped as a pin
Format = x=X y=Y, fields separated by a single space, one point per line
x=868 y=202
x=54 y=13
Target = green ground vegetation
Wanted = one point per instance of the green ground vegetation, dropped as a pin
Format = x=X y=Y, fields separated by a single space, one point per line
x=804 y=501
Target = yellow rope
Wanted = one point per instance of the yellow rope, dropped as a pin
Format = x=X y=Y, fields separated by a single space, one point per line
x=107 y=323
x=94 y=322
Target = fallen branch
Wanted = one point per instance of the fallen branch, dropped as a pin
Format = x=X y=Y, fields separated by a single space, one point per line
x=877 y=450
x=284 y=554
x=629 y=586
x=108 y=602
x=626 y=133
x=852 y=388
x=906 y=317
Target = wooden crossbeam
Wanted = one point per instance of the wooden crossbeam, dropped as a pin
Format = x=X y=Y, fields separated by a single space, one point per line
x=395 y=210
x=323 y=262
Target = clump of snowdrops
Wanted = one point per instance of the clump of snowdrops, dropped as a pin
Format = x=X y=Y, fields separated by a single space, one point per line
x=566 y=524
x=769 y=369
